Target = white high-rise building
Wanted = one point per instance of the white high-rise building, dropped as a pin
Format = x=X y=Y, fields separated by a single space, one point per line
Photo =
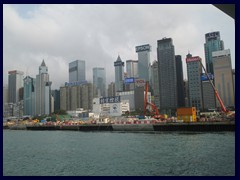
x=43 y=91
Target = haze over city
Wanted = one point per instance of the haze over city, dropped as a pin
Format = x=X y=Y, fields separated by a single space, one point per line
x=97 y=34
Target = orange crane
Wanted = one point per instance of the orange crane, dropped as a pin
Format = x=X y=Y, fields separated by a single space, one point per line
x=153 y=106
x=223 y=108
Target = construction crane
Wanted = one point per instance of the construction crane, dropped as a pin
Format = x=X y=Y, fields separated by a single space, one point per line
x=153 y=106
x=223 y=108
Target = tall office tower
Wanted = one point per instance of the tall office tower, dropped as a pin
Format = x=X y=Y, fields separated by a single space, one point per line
x=180 y=88
x=99 y=81
x=5 y=101
x=213 y=43
x=222 y=68
x=233 y=71
x=111 y=89
x=77 y=96
x=167 y=76
x=186 y=93
x=43 y=91
x=77 y=71
x=209 y=100
x=132 y=68
x=144 y=61
x=155 y=83
x=194 y=71
x=119 y=74
x=29 y=97
x=15 y=83
x=56 y=97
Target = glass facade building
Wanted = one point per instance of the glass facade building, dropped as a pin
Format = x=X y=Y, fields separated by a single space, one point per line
x=212 y=43
x=99 y=81
x=144 y=66
x=29 y=96
x=77 y=71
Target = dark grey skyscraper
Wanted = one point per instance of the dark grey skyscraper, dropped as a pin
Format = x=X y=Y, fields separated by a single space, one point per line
x=56 y=96
x=119 y=74
x=180 y=87
x=15 y=82
x=167 y=75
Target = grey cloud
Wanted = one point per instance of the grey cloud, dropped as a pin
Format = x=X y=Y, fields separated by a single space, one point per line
x=98 y=33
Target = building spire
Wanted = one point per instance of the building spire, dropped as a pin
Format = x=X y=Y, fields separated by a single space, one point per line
x=43 y=63
x=119 y=59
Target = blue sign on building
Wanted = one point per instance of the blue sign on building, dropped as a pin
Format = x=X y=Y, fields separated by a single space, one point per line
x=205 y=78
x=113 y=99
x=77 y=83
x=129 y=80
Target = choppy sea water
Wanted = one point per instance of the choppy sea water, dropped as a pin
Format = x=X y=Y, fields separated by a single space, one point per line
x=74 y=153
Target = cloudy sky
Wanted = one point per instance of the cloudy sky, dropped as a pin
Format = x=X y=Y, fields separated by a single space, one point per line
x=60 y=34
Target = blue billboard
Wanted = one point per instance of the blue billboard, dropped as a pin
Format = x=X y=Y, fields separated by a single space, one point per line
x=205 y=78
x=129 y=80
x=113 y=99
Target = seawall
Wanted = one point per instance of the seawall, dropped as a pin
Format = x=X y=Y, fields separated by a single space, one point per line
x=206 y=126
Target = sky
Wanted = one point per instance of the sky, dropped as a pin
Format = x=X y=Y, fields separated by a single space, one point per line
x=97 y=33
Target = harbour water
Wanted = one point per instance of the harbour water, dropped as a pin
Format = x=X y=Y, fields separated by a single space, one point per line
x=75 y=153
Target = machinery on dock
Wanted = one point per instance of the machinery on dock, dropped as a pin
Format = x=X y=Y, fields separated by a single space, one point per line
x=225 y=111
x=154 y=109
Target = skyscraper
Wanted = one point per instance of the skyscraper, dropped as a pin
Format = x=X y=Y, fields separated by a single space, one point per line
x=209 y=100
x=111 y=89
x=29 y=96
x=77 y=71
x=180 y=88
x=132 y=68
x=144 y=61
x=155 y=83
x=99 y=81
x=43 y=91
x=186 y=92
x=15 y=83
x=5 y=101
x=56 y=97
x=213 y=43
x=167 y=76
x=222 y=68
x=194 y=71
x=119 y=74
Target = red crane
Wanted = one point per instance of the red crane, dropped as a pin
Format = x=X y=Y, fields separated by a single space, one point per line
x=153 y=106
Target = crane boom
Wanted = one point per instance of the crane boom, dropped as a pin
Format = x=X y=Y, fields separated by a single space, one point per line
x=215 y=91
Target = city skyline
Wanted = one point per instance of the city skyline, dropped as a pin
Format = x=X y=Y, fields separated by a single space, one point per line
x=60 y=34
